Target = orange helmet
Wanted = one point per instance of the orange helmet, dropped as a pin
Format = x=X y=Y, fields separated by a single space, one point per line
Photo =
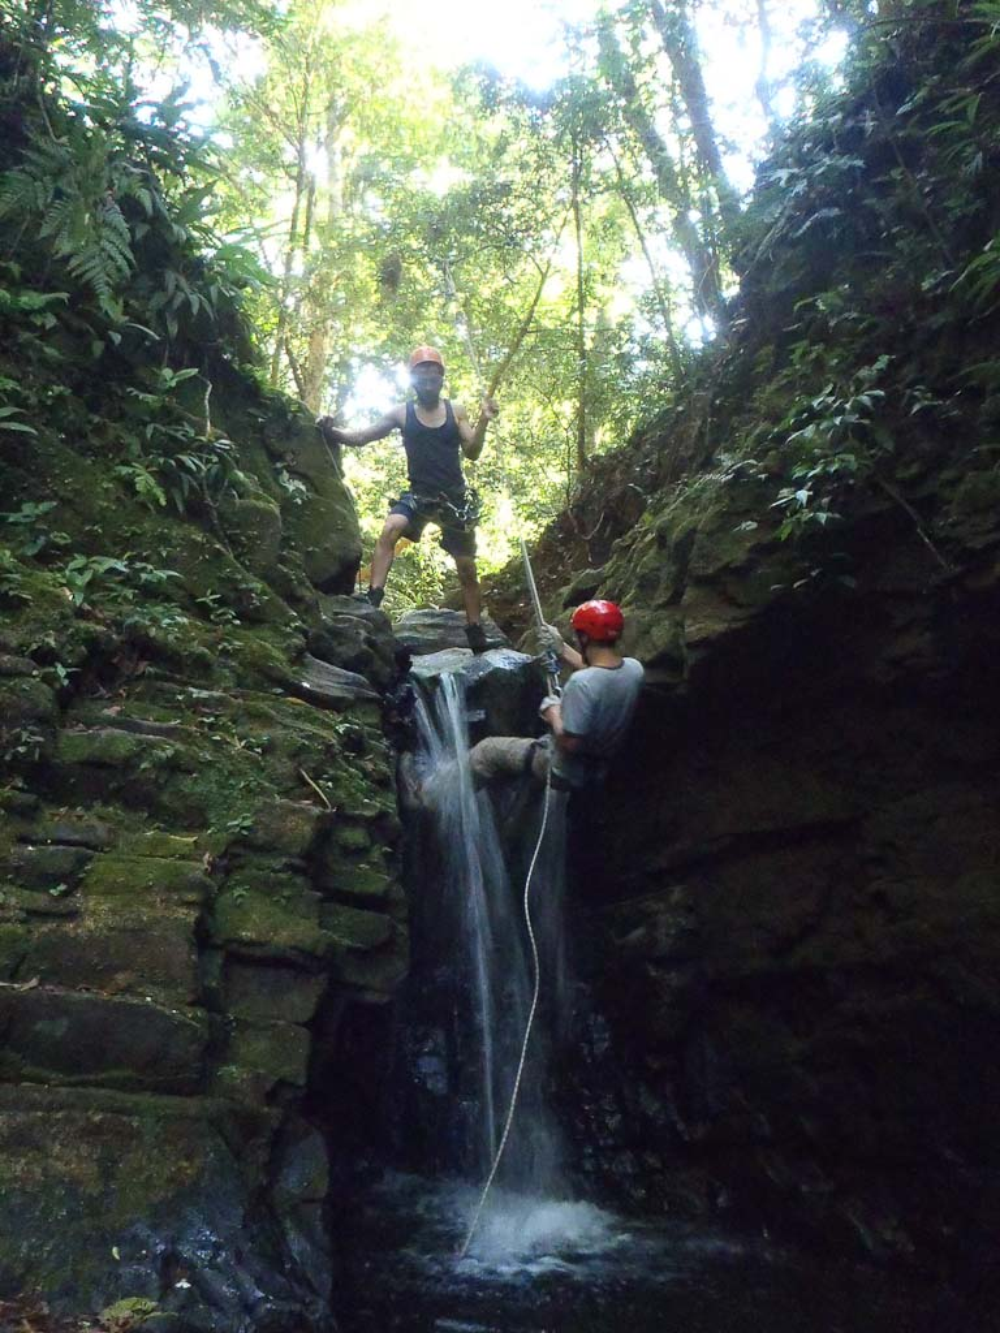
x=422 y=354
x=599 y=620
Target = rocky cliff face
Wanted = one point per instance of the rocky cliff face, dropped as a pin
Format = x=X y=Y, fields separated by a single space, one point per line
x=795 y=909
x=796 y=912
x=198 y=877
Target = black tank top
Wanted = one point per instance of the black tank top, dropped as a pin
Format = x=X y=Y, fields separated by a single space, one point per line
x=433 y=453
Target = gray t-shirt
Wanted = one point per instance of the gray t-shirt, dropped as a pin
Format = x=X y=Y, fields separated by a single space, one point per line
x=597 y=706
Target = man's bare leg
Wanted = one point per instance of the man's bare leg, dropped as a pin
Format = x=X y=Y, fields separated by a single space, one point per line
x=468 y=579
x=472 y=601
x=385 y=549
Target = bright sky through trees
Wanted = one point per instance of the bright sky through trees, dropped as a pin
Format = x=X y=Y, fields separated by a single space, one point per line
x=365 y=153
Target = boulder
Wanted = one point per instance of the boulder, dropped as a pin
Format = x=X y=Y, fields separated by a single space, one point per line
x=331 y=686
x=156 y=1197
x=503 y=688
x=57 y=1036
x=355 y=636
x=431 y=630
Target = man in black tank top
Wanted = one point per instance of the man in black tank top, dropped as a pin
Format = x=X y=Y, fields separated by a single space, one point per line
x=436 y=433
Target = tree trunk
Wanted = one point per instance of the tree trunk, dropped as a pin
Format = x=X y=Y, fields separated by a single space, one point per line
x=654 y=278
x=680 y=42
x=703 y=263
x=581 y=325
x=319 y=304
x=291 y=250
x=762 y=87
x=301 y=144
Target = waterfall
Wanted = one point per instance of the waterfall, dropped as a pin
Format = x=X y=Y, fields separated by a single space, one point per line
x=475 y=912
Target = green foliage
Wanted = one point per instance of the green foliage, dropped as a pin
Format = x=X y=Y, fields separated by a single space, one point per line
x=113 y=193
x=29 y=533
x=835 y=446
x=171 y=459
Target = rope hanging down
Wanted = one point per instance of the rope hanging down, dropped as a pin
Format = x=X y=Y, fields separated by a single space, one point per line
x=552 y=673
x=527 y=1030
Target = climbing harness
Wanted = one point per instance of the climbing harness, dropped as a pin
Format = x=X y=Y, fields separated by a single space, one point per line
x=457 y=511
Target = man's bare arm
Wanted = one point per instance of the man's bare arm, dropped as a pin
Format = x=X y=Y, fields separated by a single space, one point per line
x=473 y=437
x=366 y=434
x=564 y=739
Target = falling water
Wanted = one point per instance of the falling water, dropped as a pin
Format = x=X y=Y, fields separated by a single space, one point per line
x=479 y=907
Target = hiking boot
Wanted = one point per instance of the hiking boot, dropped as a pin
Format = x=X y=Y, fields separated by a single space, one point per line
x=375 y=596
x=476 y=636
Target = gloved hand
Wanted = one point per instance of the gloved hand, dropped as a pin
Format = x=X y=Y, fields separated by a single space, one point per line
x=546 y=704
x=550 y=640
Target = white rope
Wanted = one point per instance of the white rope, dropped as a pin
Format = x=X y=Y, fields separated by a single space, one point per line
x=527 y=1031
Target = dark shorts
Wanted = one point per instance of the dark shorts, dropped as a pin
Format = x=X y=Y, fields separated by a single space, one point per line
x=459 y=541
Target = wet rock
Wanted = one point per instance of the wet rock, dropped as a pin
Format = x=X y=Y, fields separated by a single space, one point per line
x=155 y=1196
x=370 y=883
x=503 y=688
x=376 y=972
x=432 y=631
x=359 y=930
x=331 y=686
x=355 y=636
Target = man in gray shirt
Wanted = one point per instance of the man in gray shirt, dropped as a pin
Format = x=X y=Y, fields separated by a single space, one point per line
x=591 y=720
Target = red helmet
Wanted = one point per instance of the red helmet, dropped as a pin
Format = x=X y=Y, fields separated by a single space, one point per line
x=421 y=354
x=599 y=620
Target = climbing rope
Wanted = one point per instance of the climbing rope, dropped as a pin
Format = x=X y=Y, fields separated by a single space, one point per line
x=552 y=674
x=537 y=984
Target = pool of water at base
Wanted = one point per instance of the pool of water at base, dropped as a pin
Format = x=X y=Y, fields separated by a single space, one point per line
x=549 y=1266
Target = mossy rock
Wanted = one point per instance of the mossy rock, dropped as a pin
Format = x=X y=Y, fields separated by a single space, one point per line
x=355 y=929
x=266 y=925
x=254 y=528
x=109 y=747
x=57 y=1037
x=26 y=703
x=272 y=990
x=163 y=846
x=323 y=525
x=258 y=1056
x=377 y=973
x=74 y=831
x=147 y=879
x=96 y=1186
x=143 y=952
x=15 y=943
x=286 y=828
x=135 y=933
x=352 y=837
x=44 y=867
x=369 y=883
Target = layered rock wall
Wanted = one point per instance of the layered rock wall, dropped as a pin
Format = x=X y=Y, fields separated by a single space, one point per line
x=198 y=878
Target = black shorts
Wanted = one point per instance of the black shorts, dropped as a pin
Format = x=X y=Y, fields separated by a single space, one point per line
x=457 y=540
